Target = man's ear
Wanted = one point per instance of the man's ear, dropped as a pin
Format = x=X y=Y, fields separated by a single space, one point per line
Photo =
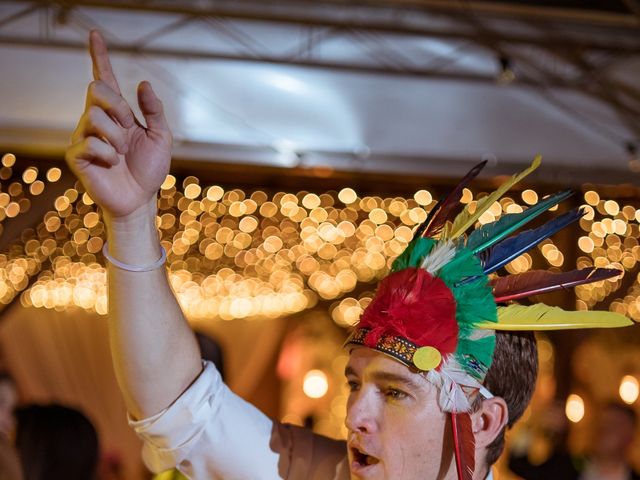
x=489 y=420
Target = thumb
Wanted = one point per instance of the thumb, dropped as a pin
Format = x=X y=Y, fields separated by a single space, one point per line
x=151 y=108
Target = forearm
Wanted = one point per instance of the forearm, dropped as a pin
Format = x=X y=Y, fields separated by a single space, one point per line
x=155 y=354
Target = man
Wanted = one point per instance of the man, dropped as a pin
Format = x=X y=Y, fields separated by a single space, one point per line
x=56 y=442
x=612 y=439
x=410 y=408
x=553 y=426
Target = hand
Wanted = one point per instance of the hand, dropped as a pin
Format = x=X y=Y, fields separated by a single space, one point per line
x=119 y=161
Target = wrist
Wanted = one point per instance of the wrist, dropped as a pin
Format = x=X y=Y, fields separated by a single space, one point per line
x=141 y=217
x=133 y=238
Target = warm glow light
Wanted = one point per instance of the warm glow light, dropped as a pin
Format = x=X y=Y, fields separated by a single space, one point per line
x=192 y=191
x=629 y=389
x=347 y=196
x=530 y=197
x=29 y=175
x=315 y=384
x=54 y=174
x=8 y=159
x=592 y=198
x=423 y=197
x=611 y=207
x=467 y=196
x=258 y=255
x=586 y=244
x=169 y=182
x=574 y=408
x=378 y=216
x=36 y=188
x=215 y=193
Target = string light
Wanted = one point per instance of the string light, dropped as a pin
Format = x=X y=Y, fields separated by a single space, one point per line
x=238 y=254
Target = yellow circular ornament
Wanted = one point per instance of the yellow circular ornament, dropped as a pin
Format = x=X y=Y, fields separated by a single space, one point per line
x=427 y=358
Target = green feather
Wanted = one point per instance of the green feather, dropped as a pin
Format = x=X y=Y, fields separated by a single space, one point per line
x=463 y=265
x=489 y=234
x=481 y=349
x=413 y=255
x=474 y=305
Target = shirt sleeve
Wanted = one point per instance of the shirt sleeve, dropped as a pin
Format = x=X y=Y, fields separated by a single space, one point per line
x=211 y=433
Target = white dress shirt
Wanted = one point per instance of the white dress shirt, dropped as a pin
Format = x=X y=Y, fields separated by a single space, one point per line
x=211 y=433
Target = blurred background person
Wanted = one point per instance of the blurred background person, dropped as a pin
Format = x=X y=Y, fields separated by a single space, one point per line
x=9 y=462
x=553 y=431
x=55 y=442
x=611 y=443
x=8 y=402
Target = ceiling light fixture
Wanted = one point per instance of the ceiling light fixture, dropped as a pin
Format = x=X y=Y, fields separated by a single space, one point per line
x=634 y=158
x=506 y=74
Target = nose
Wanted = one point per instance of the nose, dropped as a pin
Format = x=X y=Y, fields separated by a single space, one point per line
x=362 y=415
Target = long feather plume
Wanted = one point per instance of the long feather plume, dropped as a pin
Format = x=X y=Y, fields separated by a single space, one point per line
x=536 y=282
x=465 y=219
x=542 y=317
x=492 y=233
x=464 y=445
x=441 y=254
x=439 y=214
x=512 y=247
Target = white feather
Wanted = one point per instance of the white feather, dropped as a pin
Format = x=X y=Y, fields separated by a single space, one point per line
x=456 y=386
x=478 y=334
x=442 y=254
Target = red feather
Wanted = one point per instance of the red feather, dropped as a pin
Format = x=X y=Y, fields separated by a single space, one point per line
x=414 y=305
x=440 y=213
x=464 y=444
x=536 y=282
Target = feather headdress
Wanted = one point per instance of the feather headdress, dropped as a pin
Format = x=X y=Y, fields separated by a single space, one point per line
x=437 y=311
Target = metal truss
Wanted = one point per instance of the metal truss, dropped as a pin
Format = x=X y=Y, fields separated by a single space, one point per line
x=549 y=48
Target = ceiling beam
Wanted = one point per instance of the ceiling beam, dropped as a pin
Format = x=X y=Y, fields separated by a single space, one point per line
x=392 y=26
x=401 y=71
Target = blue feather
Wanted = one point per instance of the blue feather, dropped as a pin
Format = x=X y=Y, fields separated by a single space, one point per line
x=492 y=233
x=512 y=247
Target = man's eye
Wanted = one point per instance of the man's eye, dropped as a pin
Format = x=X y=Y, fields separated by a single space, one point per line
x=395 y=394
x=353 y=385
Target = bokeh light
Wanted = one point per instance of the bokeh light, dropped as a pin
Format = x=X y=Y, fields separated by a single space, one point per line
x=315 y=384
x=574 y=409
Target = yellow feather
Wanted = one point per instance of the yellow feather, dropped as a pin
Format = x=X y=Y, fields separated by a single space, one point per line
x=465 y=219
x=543 y=317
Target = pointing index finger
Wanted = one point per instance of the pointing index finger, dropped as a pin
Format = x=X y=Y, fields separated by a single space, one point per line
x=100 y=60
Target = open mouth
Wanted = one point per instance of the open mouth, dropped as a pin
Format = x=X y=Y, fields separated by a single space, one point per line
x=362 y=459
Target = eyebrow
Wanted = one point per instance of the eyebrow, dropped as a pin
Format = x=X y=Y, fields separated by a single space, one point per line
x=387 y=376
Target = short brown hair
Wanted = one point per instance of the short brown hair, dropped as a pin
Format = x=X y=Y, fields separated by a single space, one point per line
x=512 y=376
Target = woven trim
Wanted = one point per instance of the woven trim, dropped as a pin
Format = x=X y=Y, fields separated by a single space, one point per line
x=398 y=347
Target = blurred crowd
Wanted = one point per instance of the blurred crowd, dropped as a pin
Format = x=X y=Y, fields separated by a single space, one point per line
x=606 y=456
x=56 y=442
x=59 y=442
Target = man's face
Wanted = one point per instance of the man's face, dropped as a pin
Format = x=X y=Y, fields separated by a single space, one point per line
x=396 y=428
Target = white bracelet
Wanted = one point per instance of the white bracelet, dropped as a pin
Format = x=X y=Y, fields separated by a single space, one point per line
x=134 y=268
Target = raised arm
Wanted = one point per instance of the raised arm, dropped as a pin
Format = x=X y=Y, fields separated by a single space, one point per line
x=122 y=163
